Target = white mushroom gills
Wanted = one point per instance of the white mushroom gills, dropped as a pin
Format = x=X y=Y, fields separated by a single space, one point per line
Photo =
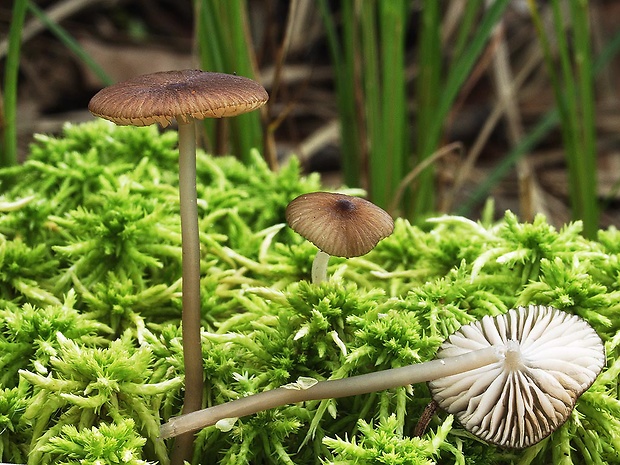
x=549 y=359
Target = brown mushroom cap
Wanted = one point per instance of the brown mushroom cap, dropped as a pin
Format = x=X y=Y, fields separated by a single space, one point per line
x=191 y=93
x=338 y=224
x=549 y=358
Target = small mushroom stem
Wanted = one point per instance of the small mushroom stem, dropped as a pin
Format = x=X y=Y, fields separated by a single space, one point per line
x=333 y=389
x=319 y=267
x=192 y=351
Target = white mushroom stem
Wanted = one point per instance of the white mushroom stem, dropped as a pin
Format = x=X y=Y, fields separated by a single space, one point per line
x=319 y=267
x=192 y=352
x=333 y=389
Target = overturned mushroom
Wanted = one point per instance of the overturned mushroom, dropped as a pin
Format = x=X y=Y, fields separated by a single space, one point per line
x=511 y=379
x=549 y=359
x=339 y=225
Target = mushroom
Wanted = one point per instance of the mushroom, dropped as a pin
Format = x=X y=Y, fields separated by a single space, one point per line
x=339 y=225
x=510 y=379
x=549 y=358
x=186 y=95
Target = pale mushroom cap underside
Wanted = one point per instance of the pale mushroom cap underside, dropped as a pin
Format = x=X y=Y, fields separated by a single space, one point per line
x=339 y=224
x=191 y=93
x=548 y=359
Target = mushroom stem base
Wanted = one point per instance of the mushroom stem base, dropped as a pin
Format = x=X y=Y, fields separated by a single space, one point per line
x=319 y=267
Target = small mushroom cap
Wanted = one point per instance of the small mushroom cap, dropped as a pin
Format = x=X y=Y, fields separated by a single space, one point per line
x=338 y=224
x=191 y=93
x=549 y=358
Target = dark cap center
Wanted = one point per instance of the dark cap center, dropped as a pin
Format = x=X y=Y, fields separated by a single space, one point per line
x=344 y=206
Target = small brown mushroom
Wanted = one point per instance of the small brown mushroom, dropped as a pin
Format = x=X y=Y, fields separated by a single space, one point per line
x=185 y=95
x=339 y=225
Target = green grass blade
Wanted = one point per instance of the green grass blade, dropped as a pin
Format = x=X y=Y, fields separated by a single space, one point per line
x=428 y=89
x=369 y=60
x=468 y=22
x=9 y=133
x=223 y=45
x=71 y=44
x=547 y=123
x=585 y=82
x=343 y=53
x=208 y=36
x=372 y=100
x=566 y=94
x=247 y=128
x=457 y=75
x=393 y=150
x=573 y=88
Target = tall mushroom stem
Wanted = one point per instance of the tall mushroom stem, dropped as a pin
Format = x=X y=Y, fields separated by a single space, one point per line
x=319 y=267
x=333 y=389
x=192 y=351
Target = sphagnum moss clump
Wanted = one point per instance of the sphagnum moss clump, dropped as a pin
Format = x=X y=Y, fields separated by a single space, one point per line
x=108 y=443
x=99 y=361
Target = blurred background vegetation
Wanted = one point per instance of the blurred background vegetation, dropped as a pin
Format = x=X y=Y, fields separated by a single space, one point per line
x=431 y=105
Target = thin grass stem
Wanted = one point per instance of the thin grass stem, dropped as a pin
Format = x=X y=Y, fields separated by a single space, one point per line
x=391 y=151
x=457 y=75
x=547 y=123
x=8 y=157
x=73 y=45
x=585 y=83
x=573 y=89
x=343 y=53
x=377 y=172
x=224 y=45
x=428 y=85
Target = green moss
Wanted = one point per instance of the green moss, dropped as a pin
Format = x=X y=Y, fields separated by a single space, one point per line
x=28 y=335
x=92 y=362
x=107 y=444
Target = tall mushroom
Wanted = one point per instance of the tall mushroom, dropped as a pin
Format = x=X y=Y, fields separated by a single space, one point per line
x=185 y=95
x=339 y=225
x=511 y=380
